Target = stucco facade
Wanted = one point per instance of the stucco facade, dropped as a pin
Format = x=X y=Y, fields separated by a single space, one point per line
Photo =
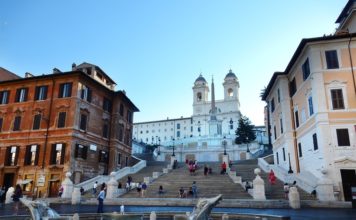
x=228 y=112
x=312 y=106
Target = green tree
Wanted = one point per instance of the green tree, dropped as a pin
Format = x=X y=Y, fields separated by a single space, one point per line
x=245 y=133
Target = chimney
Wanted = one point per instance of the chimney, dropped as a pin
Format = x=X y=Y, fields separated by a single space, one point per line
x=74 y=66
x=28 y=75
x=55 y=70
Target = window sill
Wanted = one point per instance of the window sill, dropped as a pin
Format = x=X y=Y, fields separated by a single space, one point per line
x=56 y=166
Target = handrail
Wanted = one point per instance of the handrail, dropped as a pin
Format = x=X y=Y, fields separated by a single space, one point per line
x=88 y=184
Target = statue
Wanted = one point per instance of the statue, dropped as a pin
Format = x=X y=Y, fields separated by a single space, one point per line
x=203 y=208
x=39 y=209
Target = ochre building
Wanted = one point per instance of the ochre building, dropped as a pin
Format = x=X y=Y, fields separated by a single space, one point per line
x=65 y=121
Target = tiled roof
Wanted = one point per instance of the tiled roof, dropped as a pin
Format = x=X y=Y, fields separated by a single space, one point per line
x=6 y=75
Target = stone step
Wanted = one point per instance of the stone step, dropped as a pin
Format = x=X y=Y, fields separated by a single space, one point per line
x=208 y=186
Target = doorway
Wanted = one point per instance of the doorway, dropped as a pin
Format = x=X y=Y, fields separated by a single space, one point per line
x=8 y=180
x=54 y=185
x=348 y=178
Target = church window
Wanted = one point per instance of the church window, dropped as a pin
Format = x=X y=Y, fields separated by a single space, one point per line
x=199 y=96
x=178 y=133
x=230 y=92
x=178 y=126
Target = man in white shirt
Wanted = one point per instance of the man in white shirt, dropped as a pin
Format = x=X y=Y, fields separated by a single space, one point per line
x=94 y=187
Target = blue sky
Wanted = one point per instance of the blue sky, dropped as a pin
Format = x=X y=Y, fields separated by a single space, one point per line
x=155 y=50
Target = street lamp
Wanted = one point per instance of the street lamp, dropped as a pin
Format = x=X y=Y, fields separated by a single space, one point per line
x=173 y=154
x=224 y=144
x=290 y=171
x=248 y=149
x=159 y=146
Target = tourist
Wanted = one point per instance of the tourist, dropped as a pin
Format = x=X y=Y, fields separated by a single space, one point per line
x=119 y=186
x=16 y=197
x=160 y=190
x=103 y=185
x=94 y=187
x=313 y=194
x=271 y=178
x=122 y=209
x=210 y=170
x=101 y=198
x=205 y=170
x=138 y=188
x=81 y=191
x=127 y=186
x=223 y=168
x=190 y=192
x=286 y=190
x=181 y=192
x=2 y=192
x=144 y=188
x=230 y=164
x=129 y=179
x=195 y=189
x=248 y=186
x=60 y=191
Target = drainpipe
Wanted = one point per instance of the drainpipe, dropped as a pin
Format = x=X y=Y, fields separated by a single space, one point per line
x=48 y=123
x=352 y=69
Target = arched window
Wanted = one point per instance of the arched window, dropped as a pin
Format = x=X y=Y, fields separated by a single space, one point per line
x=199 y=96
x=230 y=92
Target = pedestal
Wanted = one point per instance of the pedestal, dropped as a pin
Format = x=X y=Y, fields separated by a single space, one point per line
x=173 y=158
x=294 y=199
x=76 y=196
x=112 y=187
x=67 y=186
x=258 y=186
x=325 y=188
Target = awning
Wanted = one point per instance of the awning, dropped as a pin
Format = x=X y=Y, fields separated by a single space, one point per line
x=54 y=180
x=24 y=182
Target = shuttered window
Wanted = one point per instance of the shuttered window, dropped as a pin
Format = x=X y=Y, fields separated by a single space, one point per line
x=37 y=122
x=17 y=123
x=343 y=138
x=332 y=61
x=337 y=99
x=41 y=93
x=61 y=120
x=65 y=90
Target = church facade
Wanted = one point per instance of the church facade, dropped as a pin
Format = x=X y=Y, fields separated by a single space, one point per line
x=226 y=112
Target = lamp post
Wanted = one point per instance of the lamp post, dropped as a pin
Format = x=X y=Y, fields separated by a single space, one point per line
x=290 y=171
x=173 y=154
x=224 y=144
x=159 y=146
x=248 y=149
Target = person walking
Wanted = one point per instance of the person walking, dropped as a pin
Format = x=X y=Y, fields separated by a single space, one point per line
x=223 y=168
x=16 y=197
x=160 y=190
x=286 y=190
x=94 y=187
x=143 y=189
x=60 y=191
x=139 y=188
x=195 y=189
x=101 y=198
x=272 y=178
x=205 y=170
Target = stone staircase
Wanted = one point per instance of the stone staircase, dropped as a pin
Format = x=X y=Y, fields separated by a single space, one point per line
x=245 y=169
x=208 y=186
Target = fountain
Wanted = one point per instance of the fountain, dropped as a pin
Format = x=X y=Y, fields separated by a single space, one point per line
x=39 y=209
x=203 y=208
